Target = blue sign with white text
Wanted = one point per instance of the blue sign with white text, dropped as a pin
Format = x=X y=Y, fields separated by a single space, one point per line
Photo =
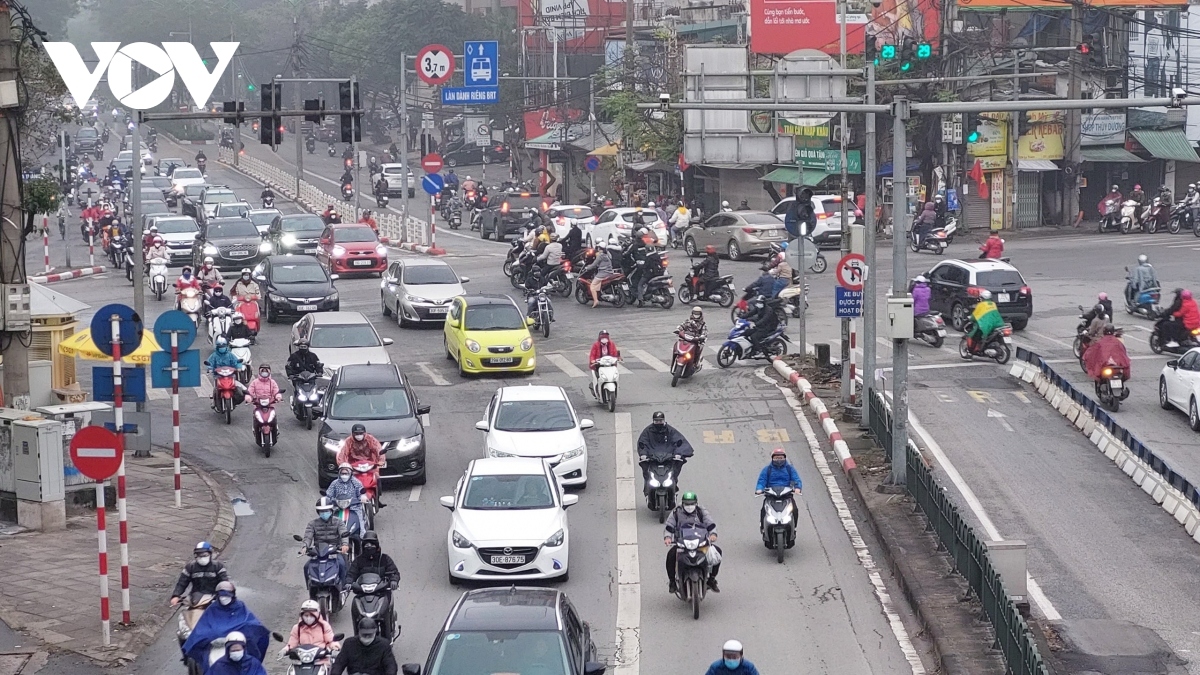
x=847 y=304
x=133 y=384
x=481 y=63
x=470 y=95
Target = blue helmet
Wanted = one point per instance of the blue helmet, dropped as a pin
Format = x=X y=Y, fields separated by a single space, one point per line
x=202 y=547
x=221 y=344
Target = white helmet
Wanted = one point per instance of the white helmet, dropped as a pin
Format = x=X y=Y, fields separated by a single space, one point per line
x=985 y=294
x=1142 y=259
x=732 y=646
x=724 y=204
x=650 y=205
x=309 y=606
x=921 y=279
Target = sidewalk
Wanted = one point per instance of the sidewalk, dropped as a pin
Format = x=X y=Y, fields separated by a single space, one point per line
x=51 y=590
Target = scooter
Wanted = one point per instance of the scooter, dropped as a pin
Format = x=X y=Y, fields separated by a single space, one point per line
x=1110 y=388
x=930 y=328
x=605 y=389
x=661 y=488
x=368 y=474
x=1147 y=303
x=332 y=150
x=683 y=358
x=305 y=397
x=219 y=321
x=310 y=144
x=737 y=347
x=381 y=200
x=720 y=293
x=225 y=396
x=515 y=248
x=778 y=526
x=455 y=220
x=266 y=432
x=157 y=278
x=241 y=349
x=1181 y=218
x=934 y=241
x=1110 y=217
x=543 y=314
x=614 y=290
x=191 y=304
x=347 y=192
x=373 y=600
x=996 y=346
x=202 y=164
x=249 y=311
x=659 y=292
x=308 y=659
x=321 y=578
x=116 y=252
x=196 y=604
x=268 y=202
x=1158 y=345
x=951 y=228
x=691 y=566
x=1129 y=216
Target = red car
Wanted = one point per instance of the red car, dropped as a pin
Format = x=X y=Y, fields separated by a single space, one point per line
x=352 y=249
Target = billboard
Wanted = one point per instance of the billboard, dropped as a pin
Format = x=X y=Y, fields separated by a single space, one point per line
x=783 y=26
x=574 y=24
x=989 y=5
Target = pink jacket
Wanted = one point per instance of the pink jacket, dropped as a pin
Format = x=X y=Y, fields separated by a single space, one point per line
x=262 y=388
x=320 y=633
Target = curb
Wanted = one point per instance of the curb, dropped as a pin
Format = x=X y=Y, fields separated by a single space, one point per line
x=222 y=531
x=63 y=276
x=818 y=407
x=418 y=248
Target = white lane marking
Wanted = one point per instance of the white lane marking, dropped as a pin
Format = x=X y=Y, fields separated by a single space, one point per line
x=1035 y=591
x=623 y=370
x=565 y=365
x=1056 y=341
x=414 y=494
x=650 y=360
x=856 y=541
x=156 y=394
x=433 y=374
x=205 y=389
x=629 y=585
x=996 y=414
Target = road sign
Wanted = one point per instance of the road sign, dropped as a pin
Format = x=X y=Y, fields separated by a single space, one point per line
x=433 y=183
x=435 y=64
x=851 y=271
x=481 y=59
x=847 y=304
x=432 y=163
x=133 y=383
x=189 y=369
x=94 y=451
x=131 y=328
x=470 y=95
x=177 y=322
x=592 y=163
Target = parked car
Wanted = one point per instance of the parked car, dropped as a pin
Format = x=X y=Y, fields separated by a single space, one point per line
x=474 y=154
x=617 y=222
x=488 y=333
x=538 y=421
x=955 y=286
x=736 y=233
x=380 y=397
x=507 y=213
x=828 y=208
x=296 y=233
x=293 y=285
x=352 y=249
x=233 y=243
x=419 y=289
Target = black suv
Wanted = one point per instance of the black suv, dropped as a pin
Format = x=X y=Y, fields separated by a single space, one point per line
x=378 y=396
x=507 y=213
x=503 y=629
x=87 y=140
x=233 y=243
x=296 y=233
x=955 y=286
x=294 y=285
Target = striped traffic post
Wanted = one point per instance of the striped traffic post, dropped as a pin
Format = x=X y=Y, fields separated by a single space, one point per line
x=96 y=453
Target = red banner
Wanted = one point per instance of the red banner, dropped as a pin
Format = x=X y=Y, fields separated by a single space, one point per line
x=539 y=122
x=783 y=26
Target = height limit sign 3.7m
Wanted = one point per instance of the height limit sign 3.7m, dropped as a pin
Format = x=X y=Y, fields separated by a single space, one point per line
x=435 y=64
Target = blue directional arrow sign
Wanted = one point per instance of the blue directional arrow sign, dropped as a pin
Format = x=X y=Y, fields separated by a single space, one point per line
x=481 y=63
x=433 y=183
x=130 y=328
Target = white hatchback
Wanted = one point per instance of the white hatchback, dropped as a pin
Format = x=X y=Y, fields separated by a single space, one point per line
x=509 y=522
x=1179 y=386
x=538 y=421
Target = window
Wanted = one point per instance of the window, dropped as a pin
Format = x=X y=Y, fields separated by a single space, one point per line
x=494 y=317
x=219 y=197
x=575 y=640
x=421 y=275
x=343 y=336
x=354 y=235
x=231 y=229
x=999 y=278
x=501 y=651
x=534 y=416
x=508 y=491
x=1189 y=361
x=456 y=310
x=761 y=219
x=307 y=224
x=394 y=271
x=298 y=273
x=180 y=174
x=607 y=217
x=369 y=404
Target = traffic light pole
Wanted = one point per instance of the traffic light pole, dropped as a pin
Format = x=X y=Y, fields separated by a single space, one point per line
x=869 y=292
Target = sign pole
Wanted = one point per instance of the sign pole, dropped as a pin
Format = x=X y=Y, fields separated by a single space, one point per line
x=102 y=539
x=175 y=417
x=95 y=451
x=46 y=241
x=119 y=422
x=91 y=243
x=432 y=223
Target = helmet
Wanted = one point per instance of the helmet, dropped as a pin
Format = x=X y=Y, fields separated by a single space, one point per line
x=157 y=240
x=1099 y=310
x=650 y=205
x=778 y=452
x=658 y=417
x=1143 y=259
x=202 y=547
x=208 y=260
x=724 y=204
x=236 y=637
x=264 y=366
x=1102 y=296
x=226 y=587
x=358 y=429
x=710 y=250
x=468 y=176
x=1186 y=295
x=245 y=271
x=309 y=606
x=238 y=318
x=1137 y=186
x=985 y=294
x=221 y=342
x=697 y=313
x=325 y=504
x=370 y=537
x=603 y=334
x=689 y=498
x=345 y=465
x=731 y=646
x=217 y=290
x=1116 y=188
x=921 y=279
x=302 y=345
x=1191 y=186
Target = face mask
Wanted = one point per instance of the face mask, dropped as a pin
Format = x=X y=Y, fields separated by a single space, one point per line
x=224 y=600
x=345 y=477
x=603 y=341
x=264 y=374
x=370 y=550
x=203 y=560
x=732 y=664
x=237 y=656
x=245 y=277
x=366 y=639
x=359 y=437
x=309 y=619
x=326 y=515
x=690 y=508
x=777 y=462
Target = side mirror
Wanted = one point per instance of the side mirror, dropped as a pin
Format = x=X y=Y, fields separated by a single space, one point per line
x=586 y=424
x=423 y=410
x=464 y=280
x=482 y=425
x=387 y=342
x=334 y=277
x=529 y=321
x=338 y=637
x=260 y=277
x=570 y=500
x=590 y=668
x=447 y=501
x=415 y=669
x=277 y=636
x=297 y=537
x=1173 y=363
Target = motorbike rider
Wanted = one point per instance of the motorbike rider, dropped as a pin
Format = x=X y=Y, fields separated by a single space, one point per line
x=1138 y=195
x=921 y=293
x=552 y=256
x=302 y=360
x=779 y=473
x=1098 y=323
x=217 y=298
x=725 y=207
x=347 y=487
x=237 y=660
x=603 y=268
x=680 y=220
x=267 y=193
x=659 y=211
x=603 y=346
x=361 y=447
x=203 y=574
x=201 y=157
x=227 y=614
x=985 y=318
x=1141 y=279
x=1182 y=317
x=469 y=185
x=732 y=661
x=348 y=153
x=993 y=246
x=245 y=288
x=367 y=219
x=366 y=654
x=695 y=326
x=373 y=560
x=148 y=237
x=743 y=205
x=708 y=270
x=689 y=513
x=649 y=266
x=1103 y=306
x=239 y=330
x=940 y=209
x=660 y=442
x=325 y=529
x=311 y=629
x=924 y=223
x=768 y=285
x=223 y=356
x=764 y=320
x=1114 y=193
x=381 y=186
x=452 y=178
x=264 y=386
x=185 y=280
x=157 y=249
x=534 y=281
x=572 y=242
x=347 y=178
x=209 y=275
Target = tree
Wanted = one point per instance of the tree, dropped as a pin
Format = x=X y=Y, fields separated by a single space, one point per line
x=657 y=134
x=52 y=16
x=42 y=111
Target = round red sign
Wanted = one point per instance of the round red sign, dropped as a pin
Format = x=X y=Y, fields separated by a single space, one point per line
x=432 y=163
x=95 y=452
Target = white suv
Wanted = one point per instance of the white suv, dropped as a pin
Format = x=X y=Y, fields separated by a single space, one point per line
x=828 y=232
x=394 y=173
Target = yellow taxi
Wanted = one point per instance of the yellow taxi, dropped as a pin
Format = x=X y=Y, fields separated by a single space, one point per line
x=488 y=333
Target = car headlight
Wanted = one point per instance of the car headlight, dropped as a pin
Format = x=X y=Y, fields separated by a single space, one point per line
x=459 y=540
x=275 y=298
x=331 y=444
x=264 y=247
x=492 y=452
x=381 y=250
x=339 y=250
x=209 y=249
x=408 y=445
x=473 y=346
x=289 y=240
x=556 y=539
x=332 y=296
x=526 y=344
x=415 y=298
x=572 y=454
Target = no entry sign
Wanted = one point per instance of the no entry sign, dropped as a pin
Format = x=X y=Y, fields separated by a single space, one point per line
x=95 y=451
x=432 y=163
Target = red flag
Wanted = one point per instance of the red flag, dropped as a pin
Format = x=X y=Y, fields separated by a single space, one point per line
x=976 y=174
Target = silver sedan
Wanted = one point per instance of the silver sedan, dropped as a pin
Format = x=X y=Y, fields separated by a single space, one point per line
x=736 y=233
x=419 y=290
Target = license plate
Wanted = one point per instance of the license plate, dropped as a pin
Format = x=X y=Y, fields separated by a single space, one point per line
x=311 y=250
x=1115 y=383
x=438 y=310
x=1008 y=341
x=306 y=308
x=502 y=359
x=941 y=332
x=508 y=560
x=1002 y=297
x=361 y=263
x=239 y=254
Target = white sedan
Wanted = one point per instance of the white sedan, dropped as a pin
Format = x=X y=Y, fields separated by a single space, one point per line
x=1179 y=386
x=509 y=522
x=618 y=222
x=538 y=421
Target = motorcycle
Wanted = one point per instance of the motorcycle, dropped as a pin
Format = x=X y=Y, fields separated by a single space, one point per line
x=658 y=291
x=219 y=321
x=191 y=304
x=268 y=202
x=116 y=251
x=347 y=192
x=308 y=659
x=1158 y=345
x=605 y=389
x=249 y=310
x=310 y=144
x=737 y=347
x=996 y=346
x=266 y=433
x=224 y=393
x=157 y=278
x=720 y=293
x=241 y=349
x=691 y=566
x=373 y=600
x=321 y=578
x=332 y=150
x=1110 y=215
x=778 y=526
x=934 y=241
x=543 y=314
x=1146 y=305
x=305 y=397
x=683 y=358
x=1128 y=219
x=951 y=228
x=381 y=200
x=660 y=488
x=1110 y=387
x=516 y=247
x=1181 y=218
x=614 y=290
x=455 y=220
x=930 y=328
x=368 y=474
x=525 y=262
x=202 y=164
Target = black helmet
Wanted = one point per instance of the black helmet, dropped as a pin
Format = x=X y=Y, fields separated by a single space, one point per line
x=370 y=536
x=658 y=418
x=302 y=345
x=358 y=429
x=367 y=630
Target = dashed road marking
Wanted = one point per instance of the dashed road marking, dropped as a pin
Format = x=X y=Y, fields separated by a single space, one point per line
x=980 y=396
x=564 y=364
x=772 y=435
x=433 y=374
x=414 y=494
x=724 y=436
x=650 y=360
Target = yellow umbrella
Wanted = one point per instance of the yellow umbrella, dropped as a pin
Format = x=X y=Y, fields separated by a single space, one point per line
x=81 y=345
x=609 y=150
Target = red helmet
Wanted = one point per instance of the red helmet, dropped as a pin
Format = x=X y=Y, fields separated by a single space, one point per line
x=710 y=249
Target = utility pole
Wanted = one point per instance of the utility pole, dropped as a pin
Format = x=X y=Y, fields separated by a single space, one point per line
x=592 y=119
x=237 y=130
x=404 y=138
x=630 y=69
x=847 y=354
x=294 y=57
x=900 y=114
x=12 y=235
x=1014 y=132
x=869 y=291
x=1074 y=130
x=135 y=223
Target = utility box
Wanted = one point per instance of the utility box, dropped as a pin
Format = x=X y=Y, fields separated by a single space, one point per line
x=900 y=317
x=15 y=316
x=38 y=468
x=73 y=416
x=858 y=239
x=1009 y=559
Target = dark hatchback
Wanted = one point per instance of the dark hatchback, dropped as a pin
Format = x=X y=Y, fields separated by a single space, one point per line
x=233 y=243
x=378 y=396
x=474 y=154
x=296 y=233
x=518 y=629
x=294 y=285
x=955 y=287
x=507 y=213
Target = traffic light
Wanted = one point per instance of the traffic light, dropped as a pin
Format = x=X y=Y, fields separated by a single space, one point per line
x=351 y=123
x=271 y=101
x=315 y=104
x=871 y=49
x=973 y=137
x=924 y=50
x=907 y=54
x=250 y=87
x=236 y=108
x=887 y=53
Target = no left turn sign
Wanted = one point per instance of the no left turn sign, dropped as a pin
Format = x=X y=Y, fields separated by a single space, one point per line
x=852 y=271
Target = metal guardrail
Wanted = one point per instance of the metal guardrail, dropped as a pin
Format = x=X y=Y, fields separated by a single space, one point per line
x=1104 y=419
x=955 y=534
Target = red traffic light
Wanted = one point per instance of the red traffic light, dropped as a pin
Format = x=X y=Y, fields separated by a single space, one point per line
x=1084 y=48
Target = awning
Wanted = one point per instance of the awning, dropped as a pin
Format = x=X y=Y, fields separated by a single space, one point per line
x=81 y=345
x=1166 y=144
x=910 y=166
x=648 y=165
x=609 y=150
x=791 y=176
x=1108 y=154
x=1036 y=165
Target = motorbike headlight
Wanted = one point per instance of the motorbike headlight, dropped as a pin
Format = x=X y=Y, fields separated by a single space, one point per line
x=556 y=539
x=381 y=250
x=654 y=482
x=264 y=247
x=331 y=444
x=526 y=344
x=473 y=346
x=209 y=249
x=459 y=541
x=572 y=454
x=275 y=298
x=691 y=544
x=405 y=446
x=492 y=452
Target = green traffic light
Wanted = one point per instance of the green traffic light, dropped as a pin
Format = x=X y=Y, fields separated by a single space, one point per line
x=924 y=50
x=905 y=67
x=250 y=87
x=876 y=61
x=887 y=52
x=973 y=137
